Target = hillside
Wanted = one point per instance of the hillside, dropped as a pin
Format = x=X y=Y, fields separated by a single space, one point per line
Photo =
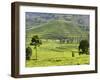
x=56 y=27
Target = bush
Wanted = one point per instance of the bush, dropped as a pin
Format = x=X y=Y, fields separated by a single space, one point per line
x=83 y=47
x=28 y=53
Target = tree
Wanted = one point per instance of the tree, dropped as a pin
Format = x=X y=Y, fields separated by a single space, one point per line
x=36 y=42
x=83 y=47
x=28 y=53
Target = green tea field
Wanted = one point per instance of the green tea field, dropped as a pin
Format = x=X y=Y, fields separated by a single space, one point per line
x=52 y=53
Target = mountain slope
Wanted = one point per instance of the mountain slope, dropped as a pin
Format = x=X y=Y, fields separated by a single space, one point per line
x=56 y=27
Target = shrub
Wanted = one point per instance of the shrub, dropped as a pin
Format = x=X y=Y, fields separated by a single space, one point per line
x=28 y=53
x=83 y=47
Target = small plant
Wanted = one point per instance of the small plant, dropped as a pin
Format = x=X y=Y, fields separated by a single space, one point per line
x=28 y=53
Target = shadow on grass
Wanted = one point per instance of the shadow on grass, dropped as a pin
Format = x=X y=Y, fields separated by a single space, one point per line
x=57 y=50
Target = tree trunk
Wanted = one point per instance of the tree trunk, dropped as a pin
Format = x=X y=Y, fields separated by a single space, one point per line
x=36 y=53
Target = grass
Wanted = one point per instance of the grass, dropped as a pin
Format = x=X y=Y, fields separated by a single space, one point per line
x=52 y=53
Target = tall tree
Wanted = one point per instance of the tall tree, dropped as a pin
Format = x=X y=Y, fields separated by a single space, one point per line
x=36 y=42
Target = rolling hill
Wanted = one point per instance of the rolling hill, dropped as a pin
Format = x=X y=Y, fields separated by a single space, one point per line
x=54 y=28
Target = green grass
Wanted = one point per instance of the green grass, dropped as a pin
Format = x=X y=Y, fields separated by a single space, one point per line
x=52 y=53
